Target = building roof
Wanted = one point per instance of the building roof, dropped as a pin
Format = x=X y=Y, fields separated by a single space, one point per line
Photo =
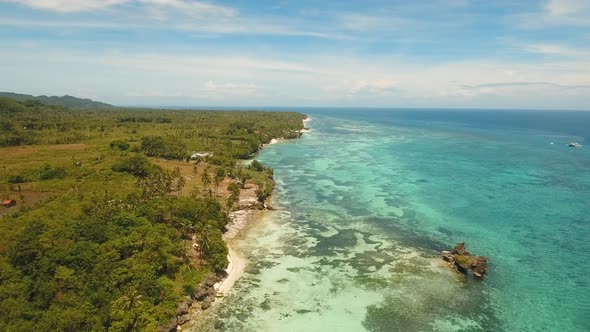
x=201 y=154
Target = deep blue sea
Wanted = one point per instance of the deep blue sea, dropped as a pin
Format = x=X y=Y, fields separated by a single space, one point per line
x=368 y=198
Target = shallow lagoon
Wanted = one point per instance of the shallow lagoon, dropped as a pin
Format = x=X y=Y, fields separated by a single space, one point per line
x=366 y=203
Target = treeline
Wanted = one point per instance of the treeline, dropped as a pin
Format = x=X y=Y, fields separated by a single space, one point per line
x=116 y=240
x=228 y=135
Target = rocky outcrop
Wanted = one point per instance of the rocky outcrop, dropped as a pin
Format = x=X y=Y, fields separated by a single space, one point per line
x=461 y=260
x=202 y=297
x=205 y=292
x=206 y=288
x=184 y=307
x=479 y=266
x=184 y=319
x=170 y=326
x=207 y=303
x=249 y=205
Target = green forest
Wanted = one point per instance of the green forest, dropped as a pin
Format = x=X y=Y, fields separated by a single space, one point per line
x=109 y=203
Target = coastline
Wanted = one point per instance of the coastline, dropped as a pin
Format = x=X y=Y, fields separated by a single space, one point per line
x=248 y=214
x=240 y=222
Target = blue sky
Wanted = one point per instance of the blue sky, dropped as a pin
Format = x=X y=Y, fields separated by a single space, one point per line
x=442 y=53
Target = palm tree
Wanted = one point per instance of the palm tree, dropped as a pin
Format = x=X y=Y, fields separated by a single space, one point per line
x=185 y=227
x=130 y=302
x=205 y=238
x=205 y=179
x=219 y=176
x=234 y=196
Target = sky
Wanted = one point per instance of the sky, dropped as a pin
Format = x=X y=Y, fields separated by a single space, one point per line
x=372 y=53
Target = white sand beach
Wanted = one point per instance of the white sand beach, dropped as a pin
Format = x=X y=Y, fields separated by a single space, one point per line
x=241 y=219
x=234 y=271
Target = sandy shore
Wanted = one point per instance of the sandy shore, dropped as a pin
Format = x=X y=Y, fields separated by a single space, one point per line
x=234 y=270
x=241 y=219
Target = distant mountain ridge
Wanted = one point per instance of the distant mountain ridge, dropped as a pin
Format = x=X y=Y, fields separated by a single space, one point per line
x=67 y=101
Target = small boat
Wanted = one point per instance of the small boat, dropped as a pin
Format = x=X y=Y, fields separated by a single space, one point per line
x=575 y=145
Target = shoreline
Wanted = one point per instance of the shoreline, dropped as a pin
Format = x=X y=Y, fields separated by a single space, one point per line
x=241 y=221
x=234 y=271
x=249 y=214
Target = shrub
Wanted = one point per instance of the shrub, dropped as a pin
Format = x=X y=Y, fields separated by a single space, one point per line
x=462 y=260
x=119 y=145
x=138 y=166
x=18 y=179
x=47 y=173
x=213 y=246
x=161 y=147
x=256 y=165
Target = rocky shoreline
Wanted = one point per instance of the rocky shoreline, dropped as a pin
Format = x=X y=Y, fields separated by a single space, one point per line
x=216 y=285
x=202 y=298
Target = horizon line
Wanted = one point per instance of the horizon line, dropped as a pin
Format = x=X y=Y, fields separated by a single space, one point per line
x=396 y=108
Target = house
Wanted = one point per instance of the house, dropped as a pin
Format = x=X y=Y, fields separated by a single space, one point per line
x=8 y=203
x=196 y=155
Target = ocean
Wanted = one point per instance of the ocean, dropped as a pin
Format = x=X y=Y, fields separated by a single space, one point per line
x=369 y=197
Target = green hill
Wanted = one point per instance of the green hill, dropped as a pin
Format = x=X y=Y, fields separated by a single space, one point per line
x=67 y=101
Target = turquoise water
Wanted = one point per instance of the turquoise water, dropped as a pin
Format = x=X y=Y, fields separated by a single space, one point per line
x=368 y=198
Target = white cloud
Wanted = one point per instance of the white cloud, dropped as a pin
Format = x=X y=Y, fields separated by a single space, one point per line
x=73 y=6
x=360 y=22
x=192 y=8
x=164 y=21
x=271 y=79
x=566 y=7
x=68 y=6
x=382 y=86
x=363 y=22
x=213 y=88
x=556 y=13
x=200 y=18
x=554 y=49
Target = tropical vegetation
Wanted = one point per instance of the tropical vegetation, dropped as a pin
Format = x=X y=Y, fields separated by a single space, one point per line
x=115 y=222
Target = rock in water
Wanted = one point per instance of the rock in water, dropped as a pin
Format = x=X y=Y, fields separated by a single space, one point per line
x=447 y=256
x=460 y=249
x=461 y=260
x=479 y=265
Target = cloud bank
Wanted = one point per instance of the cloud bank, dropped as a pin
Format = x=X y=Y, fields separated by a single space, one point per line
x=431 y=54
